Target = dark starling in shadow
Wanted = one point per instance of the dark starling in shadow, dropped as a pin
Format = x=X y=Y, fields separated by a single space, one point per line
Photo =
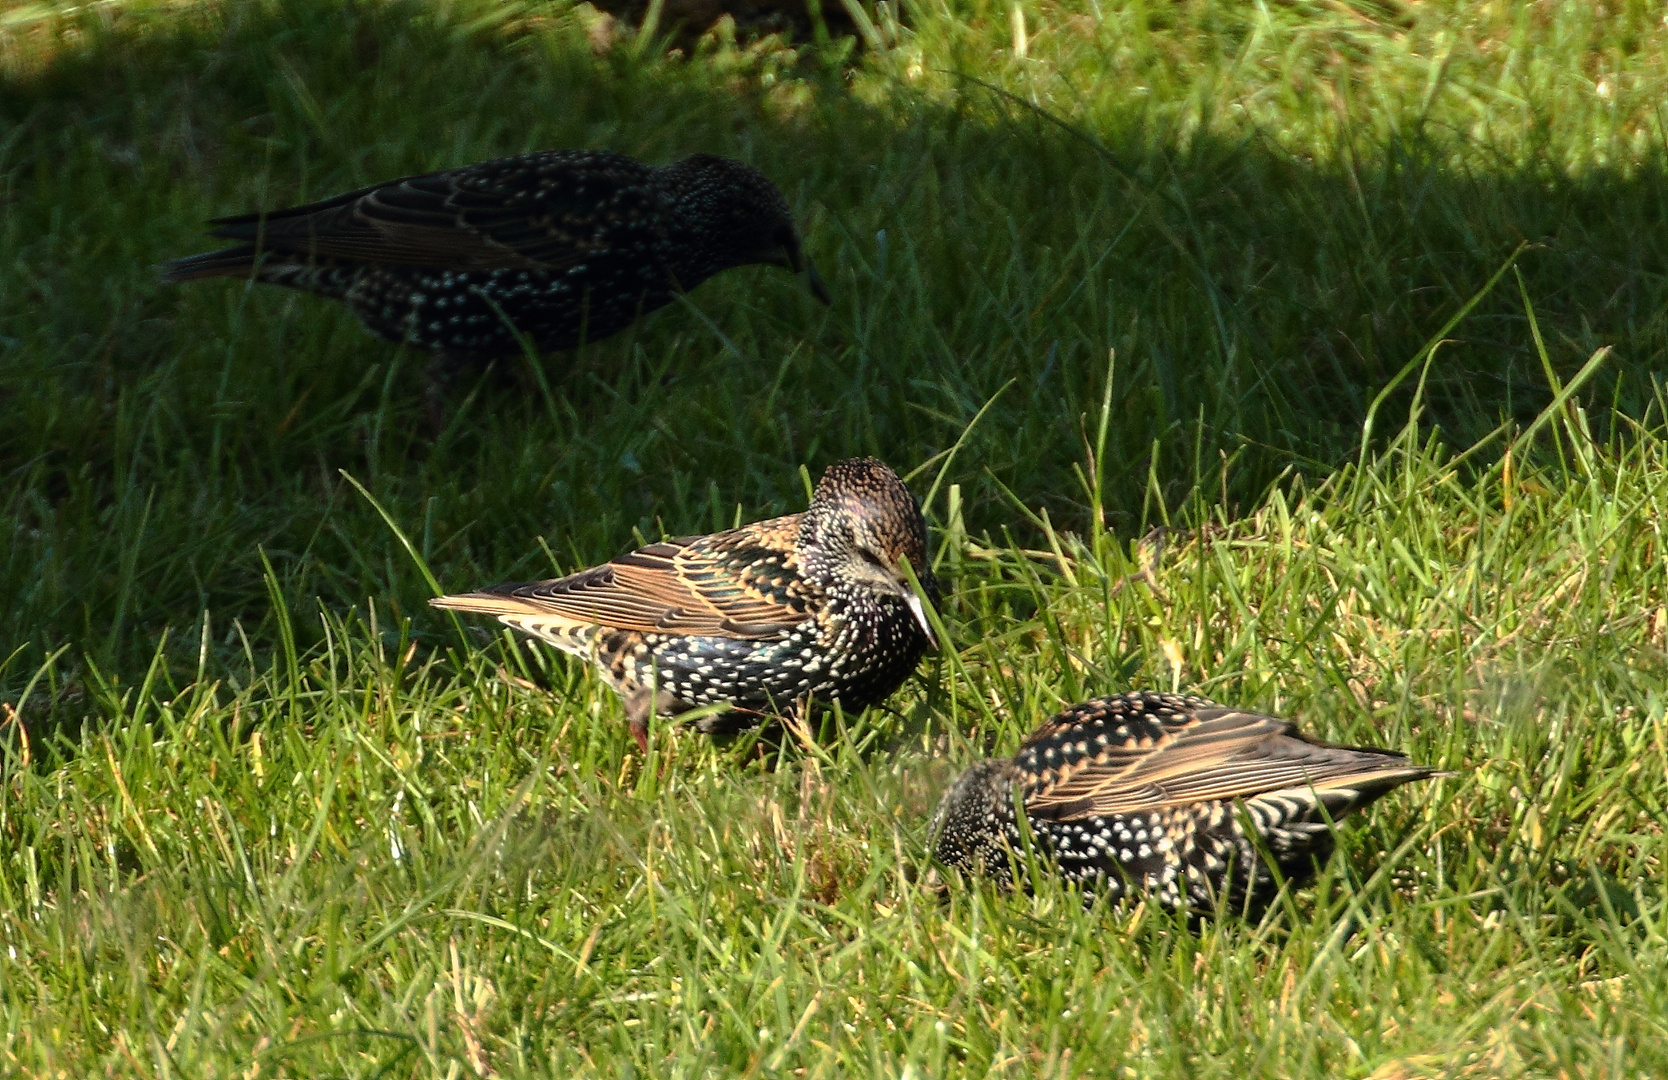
x=562 y=246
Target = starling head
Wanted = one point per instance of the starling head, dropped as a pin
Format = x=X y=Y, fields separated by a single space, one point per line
x=862 y=524
x=741 y=215
x=972 y=818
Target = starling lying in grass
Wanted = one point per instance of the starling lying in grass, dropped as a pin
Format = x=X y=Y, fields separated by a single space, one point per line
x=1156 y=792
x=812 y=605
x=563 y=246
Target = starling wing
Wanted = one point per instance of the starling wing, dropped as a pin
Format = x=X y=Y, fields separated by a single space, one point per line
x=534 y=212
x=743 y=583
x=1205 y=755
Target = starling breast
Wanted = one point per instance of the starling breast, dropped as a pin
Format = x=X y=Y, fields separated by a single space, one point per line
x=1176 y=797
x=808 y=606
x=564 y=246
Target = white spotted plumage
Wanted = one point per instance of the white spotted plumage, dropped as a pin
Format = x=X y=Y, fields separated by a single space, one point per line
x=1151 y=792
x=760 y=618
x=559 y=245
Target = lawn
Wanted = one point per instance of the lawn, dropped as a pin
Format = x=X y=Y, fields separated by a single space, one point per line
x=1305 y=355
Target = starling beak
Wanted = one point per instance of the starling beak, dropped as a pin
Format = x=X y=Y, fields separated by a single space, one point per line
x=1155 y=792
x=798 y=261
x=562 y=246
x=809 y=606
x=919 y=609
x=814 y=280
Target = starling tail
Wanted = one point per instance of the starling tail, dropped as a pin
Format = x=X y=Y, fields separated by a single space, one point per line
x=227 y=262
x=809 y=606
x=1157 y=792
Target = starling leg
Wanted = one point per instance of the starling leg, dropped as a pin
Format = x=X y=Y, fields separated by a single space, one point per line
x=639 y=706
x=439 y=376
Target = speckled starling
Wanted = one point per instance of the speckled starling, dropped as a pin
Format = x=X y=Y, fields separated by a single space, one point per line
x=565 y=246
x=1180 y=798
x=812 y=605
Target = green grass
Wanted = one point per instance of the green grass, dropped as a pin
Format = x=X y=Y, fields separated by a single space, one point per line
x=265 y=814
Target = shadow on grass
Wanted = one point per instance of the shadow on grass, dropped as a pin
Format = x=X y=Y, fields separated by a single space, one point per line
x=156 y=438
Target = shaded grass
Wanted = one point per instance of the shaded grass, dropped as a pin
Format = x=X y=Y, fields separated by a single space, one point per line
x=266 y=815
x=1261 y=262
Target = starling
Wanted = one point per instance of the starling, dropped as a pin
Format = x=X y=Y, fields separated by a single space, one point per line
x=812 y=605
x=1156 y=792
x=563 y=246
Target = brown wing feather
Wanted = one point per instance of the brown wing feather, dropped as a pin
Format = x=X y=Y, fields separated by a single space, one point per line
x=480 y=217
x=1216 y=754
x=734 y=584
